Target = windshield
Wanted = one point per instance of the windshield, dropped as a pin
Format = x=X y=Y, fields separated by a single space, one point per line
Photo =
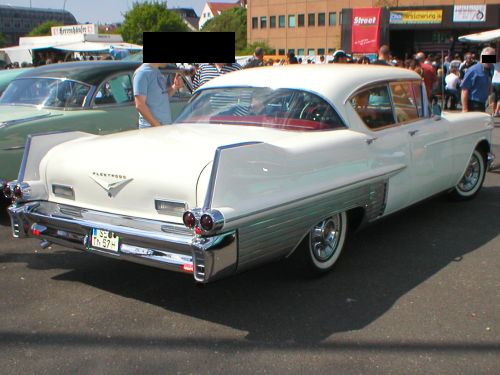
x=261 y=106
x=45 y=92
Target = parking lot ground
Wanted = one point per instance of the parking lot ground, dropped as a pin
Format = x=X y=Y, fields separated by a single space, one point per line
x=415 y=293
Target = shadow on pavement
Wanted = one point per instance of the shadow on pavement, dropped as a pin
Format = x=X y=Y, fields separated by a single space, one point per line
x=381 y=264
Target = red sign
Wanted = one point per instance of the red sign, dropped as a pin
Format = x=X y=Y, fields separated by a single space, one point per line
x=366 y=30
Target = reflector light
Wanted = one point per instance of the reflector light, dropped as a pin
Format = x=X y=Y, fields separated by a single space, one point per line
x=36 y=232
x=206 y=222
x=188 y=267
x=189 y=219
x=197 y=230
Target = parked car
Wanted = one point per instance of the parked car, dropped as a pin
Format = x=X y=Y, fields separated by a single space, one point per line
x=94 y=97
x=262 y=164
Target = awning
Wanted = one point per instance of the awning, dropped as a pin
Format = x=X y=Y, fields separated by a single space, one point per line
x=484 y=37
x=96 y=47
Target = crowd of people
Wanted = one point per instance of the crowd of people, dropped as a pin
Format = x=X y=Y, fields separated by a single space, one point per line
x=462 y=82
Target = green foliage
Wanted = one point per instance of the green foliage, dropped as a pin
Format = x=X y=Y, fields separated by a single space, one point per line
x=147 y=16
x=44 y=28
x=250 y=48
x=234 y=20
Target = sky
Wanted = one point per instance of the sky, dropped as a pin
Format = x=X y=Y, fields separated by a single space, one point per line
x=102 y=11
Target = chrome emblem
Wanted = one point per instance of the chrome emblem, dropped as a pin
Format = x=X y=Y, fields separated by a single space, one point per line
x=112 y=187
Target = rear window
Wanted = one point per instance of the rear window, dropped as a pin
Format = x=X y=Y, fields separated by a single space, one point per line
x=285 y=109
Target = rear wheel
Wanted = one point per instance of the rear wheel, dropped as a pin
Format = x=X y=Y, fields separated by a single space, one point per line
x=321 y=248
x=472 y=179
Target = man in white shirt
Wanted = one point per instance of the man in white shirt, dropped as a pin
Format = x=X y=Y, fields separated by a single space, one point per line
x=452 y=81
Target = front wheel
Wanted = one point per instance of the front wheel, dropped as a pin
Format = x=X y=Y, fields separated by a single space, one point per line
x=322 y=246
x=472 y=179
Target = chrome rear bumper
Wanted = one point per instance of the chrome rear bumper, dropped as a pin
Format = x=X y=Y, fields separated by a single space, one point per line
x=165 y=245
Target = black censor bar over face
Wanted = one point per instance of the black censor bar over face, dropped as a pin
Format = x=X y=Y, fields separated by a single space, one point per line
x=488 y=59
x=189 y=47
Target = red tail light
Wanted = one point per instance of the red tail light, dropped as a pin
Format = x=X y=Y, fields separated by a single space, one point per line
x=188 y=267
x=189 y=219
x=207 y=222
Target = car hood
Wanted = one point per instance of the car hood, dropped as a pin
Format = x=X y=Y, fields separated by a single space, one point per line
x=13 y=114
x=171 y=163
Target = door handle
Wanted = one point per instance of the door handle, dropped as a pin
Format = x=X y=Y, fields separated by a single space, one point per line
x=413 y=132
x=371 y=140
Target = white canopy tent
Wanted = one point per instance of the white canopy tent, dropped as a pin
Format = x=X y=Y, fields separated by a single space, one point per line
x=484 y=37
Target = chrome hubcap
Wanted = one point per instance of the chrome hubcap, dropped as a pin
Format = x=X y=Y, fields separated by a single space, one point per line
x=325 y=238
x=471 y=175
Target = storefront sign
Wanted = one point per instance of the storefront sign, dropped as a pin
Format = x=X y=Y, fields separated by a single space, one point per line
x=416 y=16
x=366 y=30
x=469 y=13
x=89 y=28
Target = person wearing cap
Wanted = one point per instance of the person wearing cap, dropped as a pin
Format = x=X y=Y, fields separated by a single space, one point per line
x=340 y=57
x=476 y=84
x=256 y=60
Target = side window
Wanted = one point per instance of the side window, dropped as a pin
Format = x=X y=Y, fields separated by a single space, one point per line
x=183 y=93
x=116 y=90
x=374 y=107
x=404 y=101
x=417 y=93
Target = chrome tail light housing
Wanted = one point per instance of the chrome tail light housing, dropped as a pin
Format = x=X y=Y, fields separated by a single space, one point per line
x=204 y=222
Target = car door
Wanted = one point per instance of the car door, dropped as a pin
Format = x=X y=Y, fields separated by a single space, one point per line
x=113 y=105
x=428 y=138
x=387 y=143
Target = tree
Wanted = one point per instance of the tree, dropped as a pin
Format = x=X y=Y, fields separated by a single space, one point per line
x=232 y=20
x=147 y=16
x=44 y=28
x=250 y=48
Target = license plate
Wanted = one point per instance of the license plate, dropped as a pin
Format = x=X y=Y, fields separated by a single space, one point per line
x=103 y=239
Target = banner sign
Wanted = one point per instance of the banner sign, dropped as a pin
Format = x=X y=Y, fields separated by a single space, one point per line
x=416 y=16
x=88 y=28
x=366 y=30
x=469 y=13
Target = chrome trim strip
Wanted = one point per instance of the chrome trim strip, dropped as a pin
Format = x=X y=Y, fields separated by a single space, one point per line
x=386 y=174
x=13 y=148
x=24 y=161
x=215 y=166
x=23 y=120
x=457 y=137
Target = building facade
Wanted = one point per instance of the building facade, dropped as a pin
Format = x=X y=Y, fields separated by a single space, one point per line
x=317 y=27
x=16 y=22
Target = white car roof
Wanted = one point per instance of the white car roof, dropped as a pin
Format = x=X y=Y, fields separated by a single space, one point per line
x=332 y=81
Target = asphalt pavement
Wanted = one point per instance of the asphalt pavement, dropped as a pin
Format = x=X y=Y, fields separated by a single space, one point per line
x=415 y=293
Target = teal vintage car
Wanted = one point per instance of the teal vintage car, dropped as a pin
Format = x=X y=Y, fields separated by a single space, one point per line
x=91 y=96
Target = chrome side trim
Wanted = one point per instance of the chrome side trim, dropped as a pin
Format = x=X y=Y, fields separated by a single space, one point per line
x=278 y=232
x=22 y=169
x=13 y=148
x=215 y=166
x=22 y=120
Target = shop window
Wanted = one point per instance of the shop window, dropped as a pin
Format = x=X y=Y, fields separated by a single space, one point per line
x=321 y=19
x=341 y=21
x=263 y=22
x=255 y=22
x=272 y=22
x=332 y=19
x=281 y=51
x=291 y=20
x=272 y=52
x=331 y=51
x=301 y=51
x=282 y=21
x=310 y=52
x=311 y=19
x=321 y=51
x=301 y=20
x=291 y=50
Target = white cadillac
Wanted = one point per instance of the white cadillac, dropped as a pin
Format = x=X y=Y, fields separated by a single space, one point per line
x=263 y=164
